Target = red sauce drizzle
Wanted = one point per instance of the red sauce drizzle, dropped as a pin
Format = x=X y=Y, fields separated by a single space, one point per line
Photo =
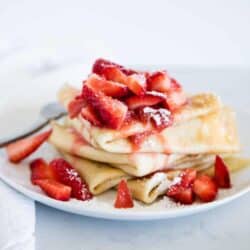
x=78 y=141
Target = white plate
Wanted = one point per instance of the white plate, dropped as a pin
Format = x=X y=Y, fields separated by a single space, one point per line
x=18 y=177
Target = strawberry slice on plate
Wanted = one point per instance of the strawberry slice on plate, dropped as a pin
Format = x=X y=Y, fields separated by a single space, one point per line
x=182 y=191
x=181 y=194
x=221 y=173
x=149 y=99
x=88 y=114
x=67 y=175
x=21 y=149
x=188 y=176
x=205 y=188
x=159 y=81
x=123 y=197
x=184 y=196
x=109 y=88
x=75 y=107
x=40 y=170
x=111 y=112
x=55 y=189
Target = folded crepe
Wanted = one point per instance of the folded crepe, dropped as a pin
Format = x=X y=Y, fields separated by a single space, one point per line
x=148 y=189
x=201 y=126
x=99 y=177
x=212 y=133
x=137 y=164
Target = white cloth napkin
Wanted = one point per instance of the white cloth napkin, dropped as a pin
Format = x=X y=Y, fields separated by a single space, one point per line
x=17 y=220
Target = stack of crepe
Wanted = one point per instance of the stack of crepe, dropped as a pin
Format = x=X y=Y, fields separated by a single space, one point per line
x=202 y=128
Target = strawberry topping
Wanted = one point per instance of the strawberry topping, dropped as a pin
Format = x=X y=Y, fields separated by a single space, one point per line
x=175 y=99
x=136 y=83
x=101 y=64
x=221 y=173
x=67 y=175
x=123 y=197
x=159 y=81
x=161 y=118
x=55 y=189
x=88 y=114
x=111 y=112
x=114 y=74
x=21 y=149
x=147 y=100
x=109 y=88
x=75 y=107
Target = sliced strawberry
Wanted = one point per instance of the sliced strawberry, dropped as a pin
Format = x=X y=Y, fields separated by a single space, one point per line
x=21 y=149
x=184 y=196
x=182 y=191
x=175 y=85
x=161 y=118
x=123 y=197
x=181 y=194
x=88 y=113
x=109 y=88
x=101 y=64
x=187 y=177
x=149 y=99
x=221 y=173
x=137 y=83
x=110 y=111
x=113 y=73
x=75 y=107
x=159 y=81
x=175 y=99
x=131 y=117
x=173 y=190
x=40 y=170
x=205 y=188
x=175 y=96
x=55 y=189
x=67 y=175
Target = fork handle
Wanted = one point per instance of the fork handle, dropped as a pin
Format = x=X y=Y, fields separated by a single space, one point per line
x=35 y=128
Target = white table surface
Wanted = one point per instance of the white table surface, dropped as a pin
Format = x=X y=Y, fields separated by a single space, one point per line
x=227 y=227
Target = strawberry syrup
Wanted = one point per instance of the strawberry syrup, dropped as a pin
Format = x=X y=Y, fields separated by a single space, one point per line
x=78 y=141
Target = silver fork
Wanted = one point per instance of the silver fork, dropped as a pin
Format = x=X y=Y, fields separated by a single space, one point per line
x=50 y=111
